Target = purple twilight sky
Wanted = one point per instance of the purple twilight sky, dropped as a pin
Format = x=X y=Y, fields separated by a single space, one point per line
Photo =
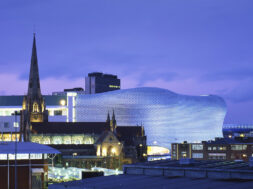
x=187 y=46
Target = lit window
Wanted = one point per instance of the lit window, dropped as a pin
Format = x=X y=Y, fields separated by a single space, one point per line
x=15 y=124
x=197 y=155
x=197 y=147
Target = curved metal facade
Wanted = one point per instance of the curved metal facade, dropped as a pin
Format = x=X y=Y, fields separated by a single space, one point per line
x=166 y=116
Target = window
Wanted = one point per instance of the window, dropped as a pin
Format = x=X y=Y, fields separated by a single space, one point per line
x=209 y=148
x=6 y=125
x=217 y=156
x=221 y=148
x=197 y=155
x=57 y=112
x=197 y=147
x=15 y=124
x=239 y=147
x=35 y=107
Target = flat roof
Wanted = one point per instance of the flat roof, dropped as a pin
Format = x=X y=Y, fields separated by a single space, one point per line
x=173 y=174
x=16 y=100
x=214 y=169
x=151 y=182
x=26 y=148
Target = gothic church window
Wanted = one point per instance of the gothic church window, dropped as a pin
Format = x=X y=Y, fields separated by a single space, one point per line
x=35 y=107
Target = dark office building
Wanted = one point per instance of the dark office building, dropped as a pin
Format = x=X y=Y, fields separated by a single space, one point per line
x=98 y=82
x=218 y=149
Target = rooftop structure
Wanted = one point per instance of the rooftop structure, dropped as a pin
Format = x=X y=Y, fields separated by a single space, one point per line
x=173 y=175
x=24 y=164
x=26 y=148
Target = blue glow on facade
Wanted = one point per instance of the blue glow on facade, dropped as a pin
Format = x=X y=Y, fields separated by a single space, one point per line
x=166 y=116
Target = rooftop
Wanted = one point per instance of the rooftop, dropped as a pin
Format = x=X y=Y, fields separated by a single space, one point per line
x=69 y=127
x=50 y=100
x=26 y=148
x=173 y=174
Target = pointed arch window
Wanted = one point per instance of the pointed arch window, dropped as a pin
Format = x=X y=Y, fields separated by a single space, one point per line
x=35 y=107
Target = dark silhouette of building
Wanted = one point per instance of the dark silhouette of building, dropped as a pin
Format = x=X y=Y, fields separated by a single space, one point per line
x=98 y=82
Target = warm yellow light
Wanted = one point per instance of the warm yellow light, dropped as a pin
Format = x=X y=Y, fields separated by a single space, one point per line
x=104 y=152
x=140 y=145
x=74 y=154
x=113 y=151
x=242 y=135
x=114 y=86
x=244 y=155
x=157 y=150
x=229 y=136
x=63 y=102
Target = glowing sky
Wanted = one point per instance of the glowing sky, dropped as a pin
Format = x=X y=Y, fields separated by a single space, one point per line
x=188 y=46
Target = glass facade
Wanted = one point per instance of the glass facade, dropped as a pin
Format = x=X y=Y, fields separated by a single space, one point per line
x=166 y=116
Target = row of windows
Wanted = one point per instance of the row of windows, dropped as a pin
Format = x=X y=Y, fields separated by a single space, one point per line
x=7 y=125
x=238 y=126
x=8 y=112
x=220 y=148
x=197 y=155
x=239 y=147
x=59 y=140
x=197 y=147
x=51 y=112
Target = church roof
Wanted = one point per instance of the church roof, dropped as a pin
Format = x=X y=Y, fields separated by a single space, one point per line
x=73 y=146
x=69 y=127
x=103 y=136
x=129 y=131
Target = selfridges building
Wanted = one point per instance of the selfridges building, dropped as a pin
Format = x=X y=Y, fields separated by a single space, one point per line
x=166 y=116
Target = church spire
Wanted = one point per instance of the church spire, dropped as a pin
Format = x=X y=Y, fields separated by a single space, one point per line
x=108 y=118
x=113 y=122
x=34 y=80
x=33 y=107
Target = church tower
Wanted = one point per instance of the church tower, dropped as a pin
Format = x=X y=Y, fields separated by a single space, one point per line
x=33 y=108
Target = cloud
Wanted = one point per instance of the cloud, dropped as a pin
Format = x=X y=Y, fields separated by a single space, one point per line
x=242 y=92
x=12 y=85
x=50 y=85
x=237 y=73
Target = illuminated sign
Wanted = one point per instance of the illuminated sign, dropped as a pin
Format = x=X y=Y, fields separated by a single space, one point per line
x=114 y=86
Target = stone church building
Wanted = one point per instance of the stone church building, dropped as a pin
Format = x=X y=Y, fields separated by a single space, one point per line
x=82 y=144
